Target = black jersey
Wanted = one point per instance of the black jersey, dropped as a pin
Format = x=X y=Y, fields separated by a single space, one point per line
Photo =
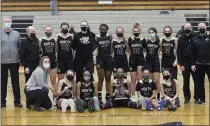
x=152 y=51
x=136 y=46
x=168 y=48
x=146 y=88
x=68 y=93
x=119 y=48
x=120 y=86
x=64 y=48
x=48 y=48
x=170 y=91
x=86 y=92
x=104 y=45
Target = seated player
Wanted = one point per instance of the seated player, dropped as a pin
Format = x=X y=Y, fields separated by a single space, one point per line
x=121 y=92
x=170 y=90
x=146 y=89
x=65 y=92
x=86 y=94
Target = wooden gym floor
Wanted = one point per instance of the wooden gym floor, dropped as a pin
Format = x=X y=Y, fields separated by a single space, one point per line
x=190 y=114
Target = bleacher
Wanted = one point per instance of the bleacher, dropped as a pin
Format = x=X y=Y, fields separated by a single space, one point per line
x=91 y=5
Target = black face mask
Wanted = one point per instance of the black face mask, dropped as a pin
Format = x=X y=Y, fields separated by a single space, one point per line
x=64 y=31
x=70 y=78
x=202 y=30
x=84 y=28
x=167 y=34
x=166 y=77
x=120 y=34
x=48 y=34
x=136 y=34
x=33 y=35
x=187 y=31
x=103 y=33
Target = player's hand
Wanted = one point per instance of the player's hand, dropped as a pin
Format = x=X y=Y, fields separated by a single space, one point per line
x=175 y=63
x=193 y=68
x=66 y=88
x=182 y=68
x=27 y=70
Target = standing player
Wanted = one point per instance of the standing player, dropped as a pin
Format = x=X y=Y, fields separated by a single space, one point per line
x=84 y=45
x=48 y=46
x=168 y=46
x=104 y=60
x=152 y=45
x=120 y=47
x=65 y=52
x=136 y=59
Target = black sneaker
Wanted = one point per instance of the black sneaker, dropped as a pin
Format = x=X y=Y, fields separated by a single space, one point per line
x=38 y=108
x=18 y=105
x=170 y=108
x=107 y=98
x=100 y=102
x=91 y=105
x=3 y=105
x=196 y=101
x=28 y=104
x=186 y=101
x=201 y=102
x=79 y=105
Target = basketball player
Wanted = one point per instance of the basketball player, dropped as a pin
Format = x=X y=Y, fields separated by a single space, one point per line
x=146 y=89
x=168 y=46
x=170 y=90
x=87 y=94
x=48 y=46
x=120 y=47
x=121 y=92
x=65 y=92
x=84 y=44
x=152 y=45
x=136 y=59
x=65 y=52
x=104 y=61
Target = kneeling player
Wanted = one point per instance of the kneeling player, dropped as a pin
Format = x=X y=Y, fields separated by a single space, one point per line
x=170 y=90
x=86 y=97
x=146 y=89
x=121 y=93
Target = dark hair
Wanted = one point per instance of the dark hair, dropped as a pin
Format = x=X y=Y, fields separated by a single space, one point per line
x=167 y=27
x=64 y=23
x=153 y=29
x=173 y=83
x=146 y=68
x=105 y=26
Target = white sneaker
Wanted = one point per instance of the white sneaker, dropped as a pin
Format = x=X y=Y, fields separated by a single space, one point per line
x=96 y=104
x=72 y=105
x=64 y=105
x=97 y=108
x=133 y=99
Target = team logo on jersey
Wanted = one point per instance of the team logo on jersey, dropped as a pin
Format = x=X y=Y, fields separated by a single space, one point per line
x=58 y=70
x=207 y=39
x=85 y=40
x=131 y=68
x=98 y=66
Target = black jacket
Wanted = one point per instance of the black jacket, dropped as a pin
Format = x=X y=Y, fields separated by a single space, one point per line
x=29 y=51
x=184 y=48
x=201 y=50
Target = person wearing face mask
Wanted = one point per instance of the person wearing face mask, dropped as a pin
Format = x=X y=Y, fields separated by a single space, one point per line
x=170 y=91
x=146 y=89
x=37 y=88
x=136 y=59
x=120 y=90
x=87 y=93
x=30 y=52
x=65 y=92
x=120 y=47
x=184 y=55
x=168 y=47
x=84 y=44
x=200 y=59
x=10 y=46
x=64 y=50
x=152 y=46
x=104 y=60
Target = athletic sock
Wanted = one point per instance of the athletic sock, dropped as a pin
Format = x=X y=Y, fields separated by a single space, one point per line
x=107 y=96
x=99 y=96
x=158 y=96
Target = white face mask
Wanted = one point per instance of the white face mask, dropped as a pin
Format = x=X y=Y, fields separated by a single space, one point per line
x=46 y=65
x=7 y=25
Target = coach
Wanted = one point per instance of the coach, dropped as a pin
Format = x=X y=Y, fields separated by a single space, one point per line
x=10 y=44
x=201 y=60
x=184 y=55
x=29 y=52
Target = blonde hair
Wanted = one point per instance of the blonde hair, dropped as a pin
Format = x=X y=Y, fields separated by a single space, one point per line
x=136 y=25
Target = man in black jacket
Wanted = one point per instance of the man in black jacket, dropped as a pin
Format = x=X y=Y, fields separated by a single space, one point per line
x=201 y=60
x=184 y=55
x=29 y=52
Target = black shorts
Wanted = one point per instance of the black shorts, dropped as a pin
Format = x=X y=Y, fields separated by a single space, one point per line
x=167 y=62
x=53 y=64
x=121 y=62
x=105 y=63
x=64 y=65
x=153 y=64
x=135 y=61
x=120 y=103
